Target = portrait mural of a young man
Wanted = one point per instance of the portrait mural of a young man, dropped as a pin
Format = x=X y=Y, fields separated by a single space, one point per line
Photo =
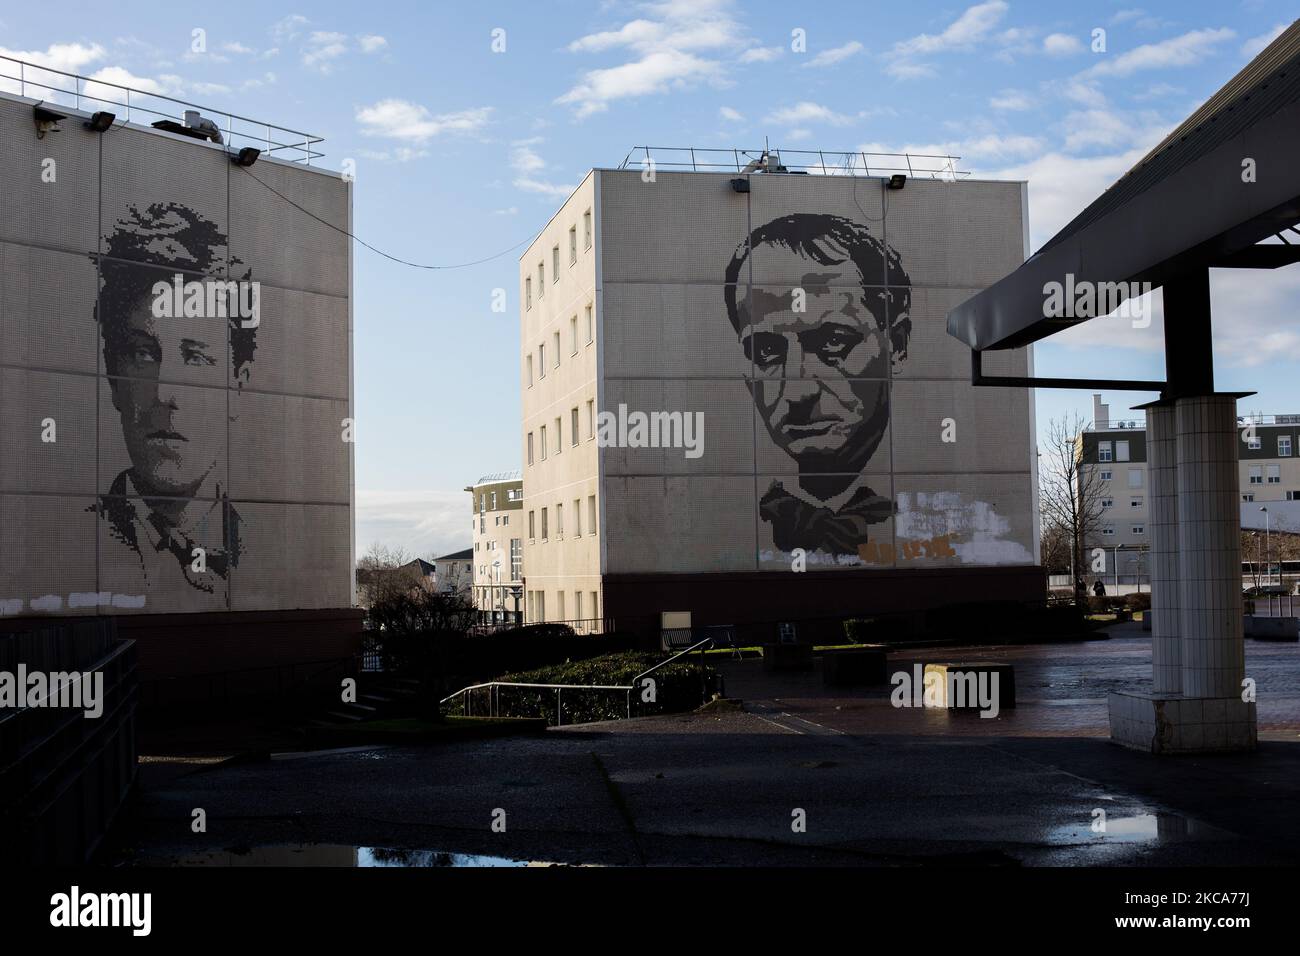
x=168 y=513
x=822 y=351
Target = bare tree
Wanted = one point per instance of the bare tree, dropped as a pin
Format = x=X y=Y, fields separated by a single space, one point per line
x=382 y=571
x=1070 y=492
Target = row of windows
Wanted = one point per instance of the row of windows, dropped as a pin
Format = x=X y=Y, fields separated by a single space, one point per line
x=1259 y=473
x=1255 y=443
x=516 y=559
x=1290 y=496
x=555 y=346
x=557 y=432
x=1134 y=476
x=1119 y=451
x=555 y=261
x=512 y=494
x=537 y=606
x=1109 y=530
x=576 y=512
x=1132 y=502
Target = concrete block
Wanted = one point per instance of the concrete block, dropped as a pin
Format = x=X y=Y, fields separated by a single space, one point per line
x=965 y=685
x=1271 y=628
x=787 y=657
x=856 y=666
x=1174 y=724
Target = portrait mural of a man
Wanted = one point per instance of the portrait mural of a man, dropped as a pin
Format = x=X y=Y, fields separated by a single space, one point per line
x=822 y=351
x=171 y=501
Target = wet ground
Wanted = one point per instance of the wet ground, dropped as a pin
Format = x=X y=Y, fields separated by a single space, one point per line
x=802 y=777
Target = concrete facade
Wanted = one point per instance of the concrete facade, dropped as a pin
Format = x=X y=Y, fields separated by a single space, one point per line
x=879 y=466
x=497 y=503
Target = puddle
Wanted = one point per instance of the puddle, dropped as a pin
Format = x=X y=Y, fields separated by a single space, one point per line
x=1139 y=828
x=322 y=854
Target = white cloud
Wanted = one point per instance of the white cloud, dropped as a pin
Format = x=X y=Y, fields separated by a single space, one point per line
x=508 y=211
x=1104 y=128
x=808 y=112
x=420 y=521
x=402 y=119
x=1250 y=306
x=653 y=73
x=371 y=43
x=1188 y=49
x=68 y=57
x=974 y=26
x=237 y=47
x=527 y=163
x=1061 y=44
x=836 y=54
x=677 y=45
x=730 y=115
x=322 y=49
x=1255 y=45
x=289 y=28
x=1013 y=100
x=761 y=54
x=399 y=154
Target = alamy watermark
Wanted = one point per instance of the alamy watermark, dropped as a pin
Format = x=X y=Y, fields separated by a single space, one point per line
x=1090 y=300
x=952 y=687
x=209 y=298
x=76 y=690
x=635 y=429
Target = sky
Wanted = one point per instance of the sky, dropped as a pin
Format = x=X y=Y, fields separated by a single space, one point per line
x=468 y=124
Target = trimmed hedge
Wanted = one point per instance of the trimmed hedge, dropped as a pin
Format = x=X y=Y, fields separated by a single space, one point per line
x=678 y=687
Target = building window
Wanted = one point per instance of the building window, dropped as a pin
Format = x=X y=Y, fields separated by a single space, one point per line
x=591 y=326
x=529 y=363
x=591 y=514
x=1139 y=529
x=541 y=279
x=559 y=597
x=573 y=245
x=494 y=501
x=573 y=335
x=591 y=418
x=556 y=337
x=586 y=229
x=594 y=613
x=1121 y=451
x=573 y=426
x=1108 y=531
x=1254 y=442
x=516 y=559
x=559 y=521
x=541 y=605
x=555 y=264
x=1108 y=502
x=1274 y=474
x=1290 y=496
x=1251 y=497
x=1135 y=478
x=577 y=605
x=545 y=530
x=577 y=517
x=515 y=494
x=532 y=526
x=543 y=437
x=1105 y=476
x=1135 y=502
x=1104 y=452
x=1256 y=475
x=1284 y=446
x=528 y=293
x=530 y=448
x=559 y=444
x=541 y=361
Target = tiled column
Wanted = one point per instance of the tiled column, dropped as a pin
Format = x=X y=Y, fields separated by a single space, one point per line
x=1209 y=547
x=1162 y=469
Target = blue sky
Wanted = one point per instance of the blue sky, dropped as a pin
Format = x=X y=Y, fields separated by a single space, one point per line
x=462 y=152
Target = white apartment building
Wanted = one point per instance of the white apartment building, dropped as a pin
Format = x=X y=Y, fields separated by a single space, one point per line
x=497 y=502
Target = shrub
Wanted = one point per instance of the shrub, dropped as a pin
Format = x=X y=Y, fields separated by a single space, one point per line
x=678 y=686
x=1138 y=602
x=873 y=630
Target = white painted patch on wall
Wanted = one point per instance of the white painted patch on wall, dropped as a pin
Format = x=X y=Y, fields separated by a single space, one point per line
x=976 y=531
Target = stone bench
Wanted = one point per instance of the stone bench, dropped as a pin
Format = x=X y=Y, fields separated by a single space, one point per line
x=959 y=685
x=1272 y=628
x=852 y=666
x=787 y=657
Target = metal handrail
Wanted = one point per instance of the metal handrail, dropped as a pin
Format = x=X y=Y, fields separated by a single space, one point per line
x=305 y=147
x=707 y=640
x=841 y=162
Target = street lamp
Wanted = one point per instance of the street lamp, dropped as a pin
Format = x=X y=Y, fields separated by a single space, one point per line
x=1268 y=551
x=496 y=587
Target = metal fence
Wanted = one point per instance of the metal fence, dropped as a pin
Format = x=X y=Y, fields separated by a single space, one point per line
x=143 y=106
x=818 y=162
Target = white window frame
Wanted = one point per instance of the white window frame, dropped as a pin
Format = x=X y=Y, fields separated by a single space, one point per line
x=1105 y=452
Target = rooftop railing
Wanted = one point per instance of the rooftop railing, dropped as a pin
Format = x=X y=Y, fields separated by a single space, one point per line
x=816 y=162
x=57 y=87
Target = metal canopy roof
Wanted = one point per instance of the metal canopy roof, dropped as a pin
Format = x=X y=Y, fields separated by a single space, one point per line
x=1184 y=206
